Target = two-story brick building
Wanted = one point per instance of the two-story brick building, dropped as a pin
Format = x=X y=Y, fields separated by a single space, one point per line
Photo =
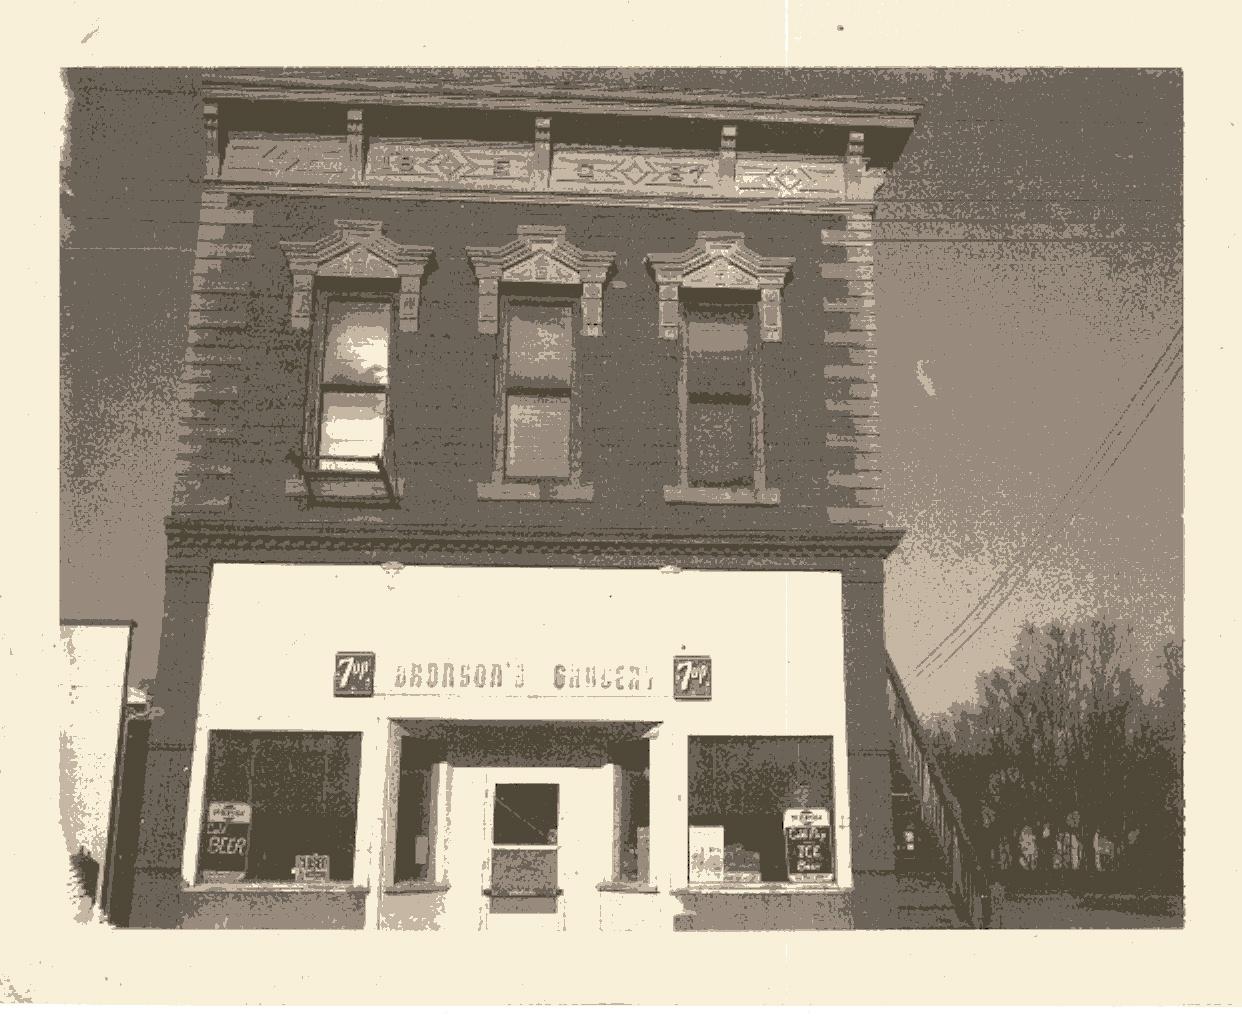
x=525 y=567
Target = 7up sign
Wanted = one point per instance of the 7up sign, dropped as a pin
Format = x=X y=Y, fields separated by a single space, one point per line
x=355 y=673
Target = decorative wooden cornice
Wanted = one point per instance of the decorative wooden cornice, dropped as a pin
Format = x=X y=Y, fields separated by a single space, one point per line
x=720 y=260
x=358 y=89
x=253 y=541
x=357 y=249
x=541 y=254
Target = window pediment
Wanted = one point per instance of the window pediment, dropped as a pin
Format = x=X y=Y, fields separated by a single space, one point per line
x=720 y=261
x=541 y=254
x=357 y=249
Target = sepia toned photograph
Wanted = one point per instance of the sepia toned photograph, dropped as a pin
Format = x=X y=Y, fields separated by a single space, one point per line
x=621 y=500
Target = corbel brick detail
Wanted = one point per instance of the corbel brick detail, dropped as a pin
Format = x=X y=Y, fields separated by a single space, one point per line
x=850 y=385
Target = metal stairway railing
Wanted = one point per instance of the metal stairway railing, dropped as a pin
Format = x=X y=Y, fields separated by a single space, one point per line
x=966 y=874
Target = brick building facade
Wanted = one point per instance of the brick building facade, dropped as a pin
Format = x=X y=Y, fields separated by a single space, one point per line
x=622 y=341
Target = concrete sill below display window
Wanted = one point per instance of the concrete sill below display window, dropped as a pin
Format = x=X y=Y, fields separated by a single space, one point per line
x=417 y=887
x=824 y=887
x=722 y=496
x=623 y=887
x=275 y=887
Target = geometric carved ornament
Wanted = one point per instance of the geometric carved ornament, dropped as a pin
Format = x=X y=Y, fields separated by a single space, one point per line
x=720 y=261
x=357 y=249
x=541 y=254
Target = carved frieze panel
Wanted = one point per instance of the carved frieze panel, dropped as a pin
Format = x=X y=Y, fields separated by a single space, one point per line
x=720 y=261
x=287 y=159
x=772 y=177
x=541 y=254
x=445 y=165
x=357 y=249
x=654 y=171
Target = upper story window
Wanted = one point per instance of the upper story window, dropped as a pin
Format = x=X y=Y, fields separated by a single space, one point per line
x=355 y=288
x=722 y=406
x=536 y=403
x=352 y=424
x=538 y=295
x=721 y=301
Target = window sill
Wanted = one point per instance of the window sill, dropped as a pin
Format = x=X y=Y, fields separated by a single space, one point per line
x=534 y=491
x=417 y=887
x=541 y=892
x=295 y=487
x=721 y=496
x=276 y=886
x=809 y=887
x=626 y=887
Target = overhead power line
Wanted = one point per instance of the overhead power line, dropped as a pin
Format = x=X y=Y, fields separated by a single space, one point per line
x=1159 y=379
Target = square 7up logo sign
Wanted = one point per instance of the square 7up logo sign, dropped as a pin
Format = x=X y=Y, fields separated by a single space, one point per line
x=355 y=673
x=692 y=678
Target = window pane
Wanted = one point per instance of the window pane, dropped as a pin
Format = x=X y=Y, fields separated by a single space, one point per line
x=300 y=793
x=525 y=815
x=540 y=345
x=719 y=338
x=352 y=425
x=415 y=810
x=745 y=785
x=356 y=347
x=538 y=436
x=719 y=443
x=719 y=328
x=633 y=811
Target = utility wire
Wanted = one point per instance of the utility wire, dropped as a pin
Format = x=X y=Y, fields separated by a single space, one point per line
x=1083 y=476
x=929 y=663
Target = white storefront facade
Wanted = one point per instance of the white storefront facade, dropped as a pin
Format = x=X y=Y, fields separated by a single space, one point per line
x=463 y=748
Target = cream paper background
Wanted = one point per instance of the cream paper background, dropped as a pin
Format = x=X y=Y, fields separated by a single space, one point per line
x=46 y=959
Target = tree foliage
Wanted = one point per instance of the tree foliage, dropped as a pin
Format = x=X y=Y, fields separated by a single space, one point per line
x=1060 y=746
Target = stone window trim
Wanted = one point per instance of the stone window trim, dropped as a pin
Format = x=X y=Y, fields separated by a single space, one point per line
x=356 y=257
x=356 y=250
x=539 y=257
x=719 y=261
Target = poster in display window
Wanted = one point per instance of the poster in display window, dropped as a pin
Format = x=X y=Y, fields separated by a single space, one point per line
x=808 y=845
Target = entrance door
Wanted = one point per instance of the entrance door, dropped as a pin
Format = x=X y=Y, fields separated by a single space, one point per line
x=547 y=839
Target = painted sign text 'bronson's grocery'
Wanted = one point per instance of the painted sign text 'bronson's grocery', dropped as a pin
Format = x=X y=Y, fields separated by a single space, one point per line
x=501 y=677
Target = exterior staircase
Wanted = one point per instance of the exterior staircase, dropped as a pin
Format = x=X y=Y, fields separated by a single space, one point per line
x=921 y=795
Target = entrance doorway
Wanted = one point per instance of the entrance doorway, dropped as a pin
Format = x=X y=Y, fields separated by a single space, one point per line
x=548 y=838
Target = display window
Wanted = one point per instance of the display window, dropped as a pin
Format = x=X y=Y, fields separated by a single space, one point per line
x=760 y=810
x=280 y=807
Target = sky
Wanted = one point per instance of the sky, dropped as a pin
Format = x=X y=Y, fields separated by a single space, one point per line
x=1029 y=279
